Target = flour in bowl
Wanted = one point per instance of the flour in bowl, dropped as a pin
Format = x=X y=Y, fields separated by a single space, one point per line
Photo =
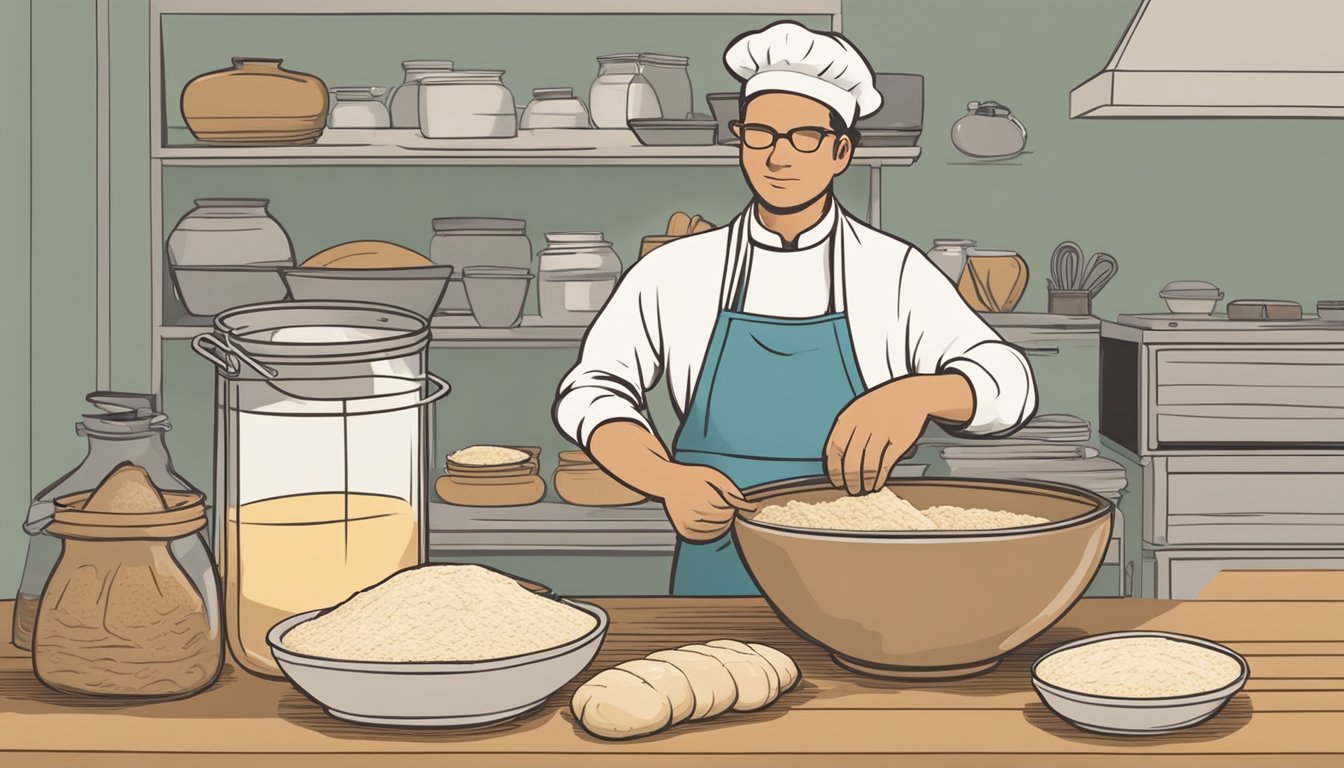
x=440 y=613
x=1139 y=667
x=885 y=511
x=487 y=456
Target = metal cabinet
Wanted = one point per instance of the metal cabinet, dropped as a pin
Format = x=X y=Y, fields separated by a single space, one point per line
x=1240 y=432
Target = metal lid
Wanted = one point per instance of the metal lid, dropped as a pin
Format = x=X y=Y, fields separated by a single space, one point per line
x=664 y=59
x=464 y=77
x=647 y=58
x=231 y=202
x=427 y=64
x=358 y=92
x=477 y=224
x=575 y=237
x=1180 y=286
x=552 y=93
x=251 y=339
x=123 y=413
x=937 y=241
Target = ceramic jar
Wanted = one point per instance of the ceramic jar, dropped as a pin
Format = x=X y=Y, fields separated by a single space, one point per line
x=554 y=108
x=462 y=242
x=580 y=481
x=578 y=273
x=989 y=131
x=255 y=101
x=228 y=231
x=405 y=103
x=510 y=485
x=949 y=255
x=359 y=108
x=631 y=86
x=467 y=105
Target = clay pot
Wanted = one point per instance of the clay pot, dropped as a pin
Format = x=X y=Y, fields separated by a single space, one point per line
x=579 y=481
x=255 y=102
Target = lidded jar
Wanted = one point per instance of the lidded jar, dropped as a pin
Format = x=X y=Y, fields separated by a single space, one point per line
x=256 y=101
x=949 y=255
x=121 y=616
x=620 y=92
x=476 y=241
x=322 y=446
x=405 y=103
x=578 y=273
x=467 y=105
x=359 y=107
x=128 y=428
x=554 y=108
x=229 y=231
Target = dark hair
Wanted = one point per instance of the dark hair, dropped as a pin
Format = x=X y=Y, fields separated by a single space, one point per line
x=842 y=129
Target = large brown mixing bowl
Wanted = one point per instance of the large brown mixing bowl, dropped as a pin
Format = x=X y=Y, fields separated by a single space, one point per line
x=927 y=604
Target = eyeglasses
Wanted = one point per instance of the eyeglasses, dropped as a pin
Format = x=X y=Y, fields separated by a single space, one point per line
x=805 y=139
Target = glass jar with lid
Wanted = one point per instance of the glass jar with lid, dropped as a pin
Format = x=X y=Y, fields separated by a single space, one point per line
x=949 y=255
x=577 y=273
x=476 y=241
x=358 y=107
x=121 y=615
x=405 y=103
x=620 y=93
x=467 y=105
x=554 y=108
x=322 y=447
x=127 y=428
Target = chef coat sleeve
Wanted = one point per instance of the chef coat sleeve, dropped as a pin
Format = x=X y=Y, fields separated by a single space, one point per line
x=943 y=335
x=620 y=360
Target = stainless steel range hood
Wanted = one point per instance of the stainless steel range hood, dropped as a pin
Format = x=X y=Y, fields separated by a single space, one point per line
x=1223 y=58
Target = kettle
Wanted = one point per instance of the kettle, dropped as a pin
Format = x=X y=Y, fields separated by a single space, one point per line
x=989 y=131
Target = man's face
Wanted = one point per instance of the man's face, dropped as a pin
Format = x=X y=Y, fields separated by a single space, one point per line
x=783 y=176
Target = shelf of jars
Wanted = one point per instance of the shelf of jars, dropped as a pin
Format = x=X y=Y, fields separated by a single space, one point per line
x=538 y=147
x=1031 y=329
x=622 y=7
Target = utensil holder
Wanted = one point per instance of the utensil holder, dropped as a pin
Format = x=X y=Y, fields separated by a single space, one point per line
x=1070 y=303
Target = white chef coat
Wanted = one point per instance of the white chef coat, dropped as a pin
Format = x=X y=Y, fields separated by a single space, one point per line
x=905 y=317
x=790 y=279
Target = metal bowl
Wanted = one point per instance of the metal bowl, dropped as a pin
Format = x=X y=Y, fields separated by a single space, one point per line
x=928 y=604
x=419 y=289
x=1137 y=716
x=436 y=694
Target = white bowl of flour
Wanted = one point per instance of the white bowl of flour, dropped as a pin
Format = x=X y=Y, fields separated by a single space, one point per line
x=1138 y=683
x=438 y=646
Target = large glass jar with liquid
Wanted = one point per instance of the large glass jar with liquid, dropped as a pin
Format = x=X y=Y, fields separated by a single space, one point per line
x=322 y=457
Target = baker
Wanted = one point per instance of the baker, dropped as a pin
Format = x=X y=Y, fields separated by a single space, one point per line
x=797 y=341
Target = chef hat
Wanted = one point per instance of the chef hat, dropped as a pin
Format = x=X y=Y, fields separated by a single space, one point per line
x=787 y=56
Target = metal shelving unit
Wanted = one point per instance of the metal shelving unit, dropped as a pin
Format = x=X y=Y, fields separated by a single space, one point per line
x=171 y=147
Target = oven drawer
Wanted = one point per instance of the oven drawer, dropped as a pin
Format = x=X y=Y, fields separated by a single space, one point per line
x=1247 y=396
x=1238 y=500
x=1181 y=574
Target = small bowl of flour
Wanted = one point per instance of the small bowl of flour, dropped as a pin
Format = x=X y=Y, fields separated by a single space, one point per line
x=1138 y=683
x=439 y=645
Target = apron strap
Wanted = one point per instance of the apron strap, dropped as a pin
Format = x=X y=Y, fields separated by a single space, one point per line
x=741 y=254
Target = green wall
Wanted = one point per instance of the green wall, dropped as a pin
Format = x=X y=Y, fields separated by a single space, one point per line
x=1248 y=204
x=15 y=320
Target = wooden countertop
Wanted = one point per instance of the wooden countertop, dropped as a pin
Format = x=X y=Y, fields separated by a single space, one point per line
x=1290 y=626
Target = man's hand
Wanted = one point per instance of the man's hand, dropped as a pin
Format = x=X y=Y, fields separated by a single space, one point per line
x=877 y=428
x=700 y=501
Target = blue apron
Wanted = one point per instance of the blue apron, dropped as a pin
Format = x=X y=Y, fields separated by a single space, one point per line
x=763 y=406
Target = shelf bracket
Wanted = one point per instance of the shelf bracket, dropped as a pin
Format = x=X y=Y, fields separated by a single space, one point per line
x=875 y=195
